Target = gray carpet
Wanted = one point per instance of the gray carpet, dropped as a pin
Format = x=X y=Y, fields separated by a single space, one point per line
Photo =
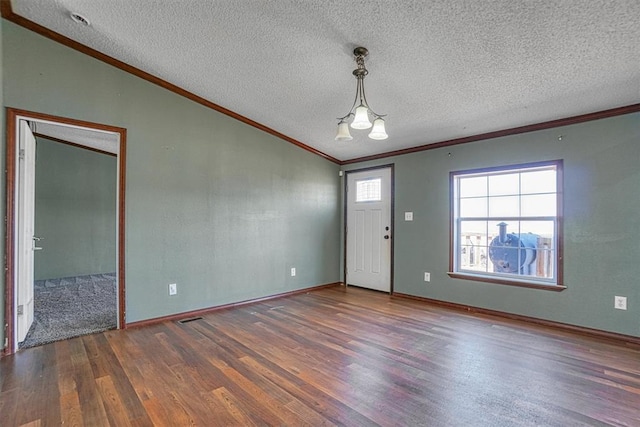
x=72 y=306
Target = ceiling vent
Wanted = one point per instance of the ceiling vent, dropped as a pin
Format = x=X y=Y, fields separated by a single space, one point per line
x=80 y=19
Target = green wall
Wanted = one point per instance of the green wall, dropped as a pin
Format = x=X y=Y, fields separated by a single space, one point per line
x=220 y=208
x=75 y=211
x=601 y=223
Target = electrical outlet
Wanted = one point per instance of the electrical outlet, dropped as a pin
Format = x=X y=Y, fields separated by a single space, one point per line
x=620 y=302
x=293 y=271
x=408 y=216
x=427 y=277
x=173 y=288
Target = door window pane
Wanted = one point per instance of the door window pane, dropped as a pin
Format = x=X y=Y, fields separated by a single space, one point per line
x=369 y=190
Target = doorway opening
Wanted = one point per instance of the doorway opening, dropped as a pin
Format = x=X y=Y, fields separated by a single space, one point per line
x=368 y=229
x=100 y=144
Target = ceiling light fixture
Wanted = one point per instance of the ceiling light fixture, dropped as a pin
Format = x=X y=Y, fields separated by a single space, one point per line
x=362 y=110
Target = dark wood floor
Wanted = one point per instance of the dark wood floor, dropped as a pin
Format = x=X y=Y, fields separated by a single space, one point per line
x=330 y=357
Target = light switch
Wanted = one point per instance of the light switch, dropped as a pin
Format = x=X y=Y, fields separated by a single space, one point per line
x=408 y=216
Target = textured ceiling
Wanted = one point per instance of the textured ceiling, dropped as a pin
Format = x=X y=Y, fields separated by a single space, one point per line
x=439 y=69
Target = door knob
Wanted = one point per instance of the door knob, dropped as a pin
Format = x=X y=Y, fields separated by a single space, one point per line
x=386 y=236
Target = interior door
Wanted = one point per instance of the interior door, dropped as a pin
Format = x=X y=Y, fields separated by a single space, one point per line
x=25 y=224
x=369 y=229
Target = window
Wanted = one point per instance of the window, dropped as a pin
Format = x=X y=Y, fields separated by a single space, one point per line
x=506 y=225
x=369 y=190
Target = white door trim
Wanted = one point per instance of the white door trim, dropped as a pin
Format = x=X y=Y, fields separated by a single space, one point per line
x=118 y=147
x=391 y=167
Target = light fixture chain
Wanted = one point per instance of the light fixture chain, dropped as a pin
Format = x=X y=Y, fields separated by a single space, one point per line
x=360 y=89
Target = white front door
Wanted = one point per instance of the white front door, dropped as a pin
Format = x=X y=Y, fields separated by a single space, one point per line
x=26 y=225
x=369 y=229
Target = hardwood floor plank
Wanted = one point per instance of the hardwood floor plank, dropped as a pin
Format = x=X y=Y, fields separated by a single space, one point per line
x=65 y=381
x=219 y=413
x=38 y=396
x=35 y=423
x=308 y=416
x=105 y=360
x=176 y=398
x=116 y=411
x=9 y=406
x=233 y=382
x=71 y=413
x=235 y=408
x=128 y=348
x=332 y=410
x=91 y=404
x=49 y=391
x=273 y=411
x=336 y=356
x=163 y=414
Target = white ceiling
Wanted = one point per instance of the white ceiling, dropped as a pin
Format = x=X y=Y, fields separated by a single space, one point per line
x=439 y=69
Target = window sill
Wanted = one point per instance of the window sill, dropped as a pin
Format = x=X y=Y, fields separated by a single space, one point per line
x=499 y=281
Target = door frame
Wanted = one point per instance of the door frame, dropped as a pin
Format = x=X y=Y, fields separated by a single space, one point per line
x=390 y=166
x=13 y=116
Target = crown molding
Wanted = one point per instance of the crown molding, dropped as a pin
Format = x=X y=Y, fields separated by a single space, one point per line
x=619 y=111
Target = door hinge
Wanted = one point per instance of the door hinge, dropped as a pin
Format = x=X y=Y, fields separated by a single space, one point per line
x=20 y=310
x=21 y=153
x=6 y=342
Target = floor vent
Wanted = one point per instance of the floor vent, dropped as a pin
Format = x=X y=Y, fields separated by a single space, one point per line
x=190 y=319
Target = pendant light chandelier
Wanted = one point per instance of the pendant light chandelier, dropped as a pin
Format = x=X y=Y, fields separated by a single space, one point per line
x=361 y=106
